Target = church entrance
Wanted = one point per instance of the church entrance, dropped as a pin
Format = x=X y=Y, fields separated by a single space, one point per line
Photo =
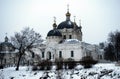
x=49 y=55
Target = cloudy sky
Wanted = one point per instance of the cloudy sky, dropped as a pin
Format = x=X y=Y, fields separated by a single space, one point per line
x=98 y=17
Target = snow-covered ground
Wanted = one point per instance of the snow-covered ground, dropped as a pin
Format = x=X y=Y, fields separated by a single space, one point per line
x=99 y=71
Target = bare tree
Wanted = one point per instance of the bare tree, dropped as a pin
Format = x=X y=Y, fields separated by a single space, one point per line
x=25 y=41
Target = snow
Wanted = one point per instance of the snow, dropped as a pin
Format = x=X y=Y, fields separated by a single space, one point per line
x=71 y=41
x=23 y=73
x=99 y=71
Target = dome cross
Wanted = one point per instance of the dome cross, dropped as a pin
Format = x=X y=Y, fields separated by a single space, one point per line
x=6 y=38
x=79 y=22
x=54 y=19
x=68 y=8
x=54 y=24
x=74 y=18
x=68 y=14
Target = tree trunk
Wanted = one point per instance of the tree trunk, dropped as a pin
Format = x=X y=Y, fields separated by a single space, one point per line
x=17 y=68
x=117 y=56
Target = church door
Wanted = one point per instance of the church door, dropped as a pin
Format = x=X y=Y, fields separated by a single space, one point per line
x=49 y=55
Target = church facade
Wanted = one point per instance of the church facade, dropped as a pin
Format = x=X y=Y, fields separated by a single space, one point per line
x=64 y=41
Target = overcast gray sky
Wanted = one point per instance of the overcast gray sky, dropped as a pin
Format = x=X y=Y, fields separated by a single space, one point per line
x=98 y=17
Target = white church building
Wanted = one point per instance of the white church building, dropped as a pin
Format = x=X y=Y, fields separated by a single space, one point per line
x=64 y=41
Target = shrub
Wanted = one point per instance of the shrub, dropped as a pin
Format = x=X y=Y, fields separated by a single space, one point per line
x=45 y=65
x=34 y=68
x=87 y=61
x=59 y=63
x=1 y=66
x=70 y=63
x=48 y=65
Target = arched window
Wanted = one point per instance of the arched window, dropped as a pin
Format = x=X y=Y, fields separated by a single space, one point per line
x=4 y=61
x=72 y=53
x=60 y=54
x=100 y=56
x=43 y=55
x=49 y=55
x=64 y=36
x=70 y=36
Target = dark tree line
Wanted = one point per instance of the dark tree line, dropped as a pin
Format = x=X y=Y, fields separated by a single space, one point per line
x=109 y=53
x=112 y=50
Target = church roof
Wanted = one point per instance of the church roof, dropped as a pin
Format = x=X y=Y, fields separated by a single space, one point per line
x=54 y=32
x=66 y=24
x=8 y=44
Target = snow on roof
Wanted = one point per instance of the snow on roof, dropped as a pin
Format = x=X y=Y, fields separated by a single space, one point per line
x=71 y=41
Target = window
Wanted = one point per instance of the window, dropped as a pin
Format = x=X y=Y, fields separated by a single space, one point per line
x=14 y=60
x=72 y=54
x=42 y=54
x=33 y=55
x=49 y=55
x=64 y=37
x=53 y=56
x=70 y=36
x=100 y=56
x=5 y=61
x=60 y=54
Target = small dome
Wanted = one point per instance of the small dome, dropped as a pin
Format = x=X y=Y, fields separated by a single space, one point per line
x=6 y=39
x=6 y=46
x=66 y=24
x=54 y=32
